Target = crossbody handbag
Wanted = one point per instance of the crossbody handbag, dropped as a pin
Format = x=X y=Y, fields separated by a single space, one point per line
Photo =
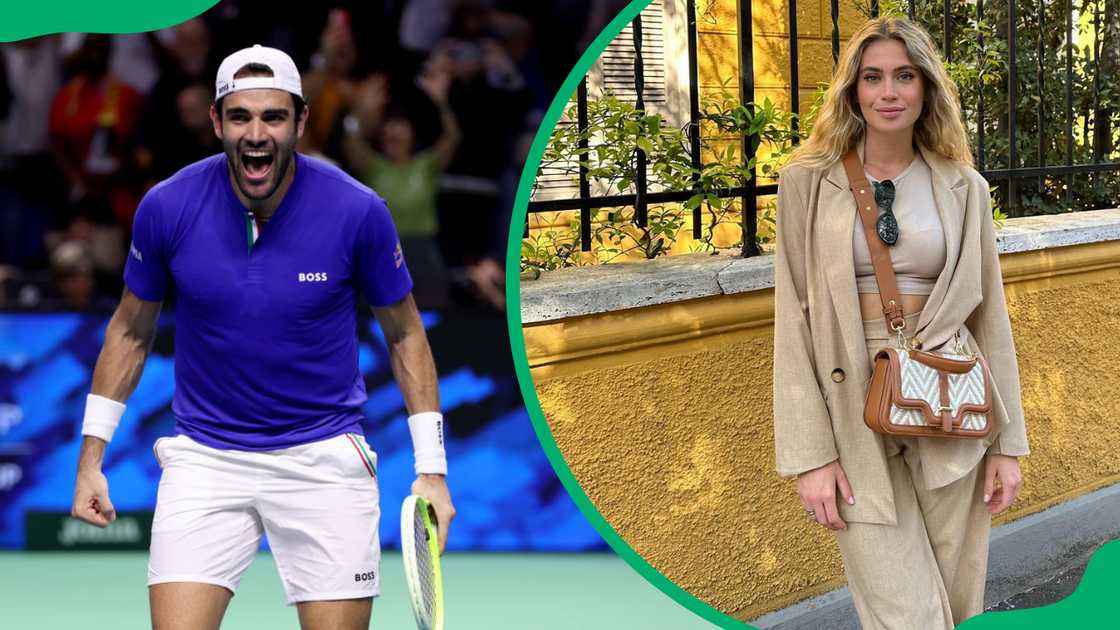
x=914 y=392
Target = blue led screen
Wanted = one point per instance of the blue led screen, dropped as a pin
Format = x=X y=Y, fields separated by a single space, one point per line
x=505 y=492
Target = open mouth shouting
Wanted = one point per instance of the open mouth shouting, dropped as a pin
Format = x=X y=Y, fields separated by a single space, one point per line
x=256 y=165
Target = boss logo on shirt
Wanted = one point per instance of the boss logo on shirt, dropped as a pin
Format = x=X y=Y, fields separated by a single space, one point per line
x=313 y=277
x=364 y=577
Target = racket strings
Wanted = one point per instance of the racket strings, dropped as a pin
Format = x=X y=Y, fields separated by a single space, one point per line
x=421 y=563
x=424 y=563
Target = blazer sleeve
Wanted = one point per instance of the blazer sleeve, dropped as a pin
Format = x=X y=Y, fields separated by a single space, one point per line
x=991 y=328
x=803 y=438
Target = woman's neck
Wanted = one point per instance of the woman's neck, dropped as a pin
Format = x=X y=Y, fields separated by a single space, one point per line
x=886 y=155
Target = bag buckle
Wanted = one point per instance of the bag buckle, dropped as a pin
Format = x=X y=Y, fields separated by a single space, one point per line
x=960 y=348
x=903 y=343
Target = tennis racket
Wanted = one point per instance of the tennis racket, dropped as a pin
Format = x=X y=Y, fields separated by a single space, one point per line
x=420 y=550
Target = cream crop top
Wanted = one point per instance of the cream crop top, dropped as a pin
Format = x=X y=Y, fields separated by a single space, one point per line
x=919 y=254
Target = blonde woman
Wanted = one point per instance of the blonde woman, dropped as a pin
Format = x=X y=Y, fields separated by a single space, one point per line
x=911 y=515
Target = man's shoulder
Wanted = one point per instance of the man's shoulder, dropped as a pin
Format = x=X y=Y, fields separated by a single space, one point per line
x=328 y=181
x=168 y=200
x=192 y=175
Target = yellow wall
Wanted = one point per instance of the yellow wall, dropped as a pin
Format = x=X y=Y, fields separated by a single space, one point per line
x=664 y=416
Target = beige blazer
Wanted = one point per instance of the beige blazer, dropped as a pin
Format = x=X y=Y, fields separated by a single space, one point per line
x=818 y=333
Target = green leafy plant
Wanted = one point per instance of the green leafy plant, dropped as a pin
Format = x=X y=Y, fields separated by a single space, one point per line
x=616 y=133
x=980 y=66
x=759 y=125
x=550 y=249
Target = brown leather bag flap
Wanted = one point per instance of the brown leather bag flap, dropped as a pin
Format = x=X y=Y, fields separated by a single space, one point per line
x=943 y=363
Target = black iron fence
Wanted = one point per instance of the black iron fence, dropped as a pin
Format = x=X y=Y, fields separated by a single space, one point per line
x=1006 y=177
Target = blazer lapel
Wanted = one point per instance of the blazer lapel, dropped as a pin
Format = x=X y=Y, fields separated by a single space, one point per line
x=950 y=194
x=836 y=221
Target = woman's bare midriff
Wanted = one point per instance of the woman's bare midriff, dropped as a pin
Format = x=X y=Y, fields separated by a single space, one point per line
x=871 y=307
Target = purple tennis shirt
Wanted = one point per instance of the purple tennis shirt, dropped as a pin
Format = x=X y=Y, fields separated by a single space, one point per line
x=266 y=342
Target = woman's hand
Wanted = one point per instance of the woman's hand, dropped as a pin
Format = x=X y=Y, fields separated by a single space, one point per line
x=818 y=491
x=1005 y=469
x=437 y=75
x=369 y=100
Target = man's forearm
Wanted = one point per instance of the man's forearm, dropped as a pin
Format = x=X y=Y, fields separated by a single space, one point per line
x=115 y=376
x=120 y=363
x=92 y=453
x=415 y=372
x=416 y=376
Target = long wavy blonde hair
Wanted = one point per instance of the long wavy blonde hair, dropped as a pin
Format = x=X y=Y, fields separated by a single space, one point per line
x=840 y=125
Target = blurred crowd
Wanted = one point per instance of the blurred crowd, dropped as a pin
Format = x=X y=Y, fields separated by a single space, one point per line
x=432 y=103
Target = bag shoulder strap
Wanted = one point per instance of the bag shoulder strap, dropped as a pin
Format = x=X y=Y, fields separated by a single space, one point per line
x=867 y=209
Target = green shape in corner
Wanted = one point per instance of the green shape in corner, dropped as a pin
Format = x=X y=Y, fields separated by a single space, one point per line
x=1092 y=605
x=31 y=19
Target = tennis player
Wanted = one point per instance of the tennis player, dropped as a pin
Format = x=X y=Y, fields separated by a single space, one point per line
x=264 y=250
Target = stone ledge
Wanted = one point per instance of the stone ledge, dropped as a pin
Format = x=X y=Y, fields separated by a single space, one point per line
x=579 y=291
x=1059 y=230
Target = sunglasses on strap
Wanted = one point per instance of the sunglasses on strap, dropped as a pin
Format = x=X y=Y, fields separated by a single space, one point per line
x=887 y=224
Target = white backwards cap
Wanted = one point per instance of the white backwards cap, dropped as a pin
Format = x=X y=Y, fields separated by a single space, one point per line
x=285 y=75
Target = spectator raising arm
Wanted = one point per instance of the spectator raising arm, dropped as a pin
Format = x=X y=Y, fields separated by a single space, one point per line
x=369 y=108
x=435 y=81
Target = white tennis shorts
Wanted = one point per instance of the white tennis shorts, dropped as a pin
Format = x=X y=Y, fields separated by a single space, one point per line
x=317 y=502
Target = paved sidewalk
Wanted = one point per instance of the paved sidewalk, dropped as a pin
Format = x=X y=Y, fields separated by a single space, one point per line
x=1056 y=588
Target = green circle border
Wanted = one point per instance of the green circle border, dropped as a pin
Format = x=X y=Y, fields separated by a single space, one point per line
x=517 y=339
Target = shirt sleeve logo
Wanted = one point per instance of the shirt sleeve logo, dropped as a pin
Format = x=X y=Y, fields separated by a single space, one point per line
x=398 y=256
x=135 y=252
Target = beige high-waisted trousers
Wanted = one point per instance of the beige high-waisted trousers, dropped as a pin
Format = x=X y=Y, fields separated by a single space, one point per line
x=928 y=571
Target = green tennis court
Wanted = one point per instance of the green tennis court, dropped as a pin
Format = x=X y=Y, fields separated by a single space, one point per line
x=483 y=591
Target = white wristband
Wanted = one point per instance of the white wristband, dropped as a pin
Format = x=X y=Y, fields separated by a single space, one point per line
x=102 y=417
x=427 y=442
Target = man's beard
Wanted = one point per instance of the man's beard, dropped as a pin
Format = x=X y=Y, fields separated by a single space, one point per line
x=283 y=161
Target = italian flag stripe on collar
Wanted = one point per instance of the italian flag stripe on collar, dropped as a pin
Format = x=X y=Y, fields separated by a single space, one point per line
x=251 y=230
